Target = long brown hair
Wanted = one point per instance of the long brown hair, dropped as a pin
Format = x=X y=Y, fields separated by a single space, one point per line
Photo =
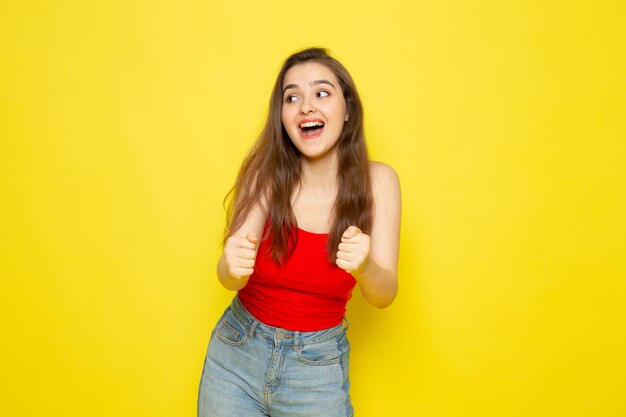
x=272 y=169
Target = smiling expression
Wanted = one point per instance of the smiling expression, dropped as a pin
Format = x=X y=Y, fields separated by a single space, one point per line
x=313 y=108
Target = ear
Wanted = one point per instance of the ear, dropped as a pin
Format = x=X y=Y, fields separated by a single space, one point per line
x=346 y=117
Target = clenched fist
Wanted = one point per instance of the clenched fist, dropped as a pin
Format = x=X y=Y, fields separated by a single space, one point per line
x=240 y=254
x=353 y=249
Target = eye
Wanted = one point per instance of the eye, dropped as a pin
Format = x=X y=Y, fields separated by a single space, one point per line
x=291 y=98
x=323 y=93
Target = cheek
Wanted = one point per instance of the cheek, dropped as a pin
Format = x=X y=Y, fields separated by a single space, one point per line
x=344 y=109
x=286 y=118
x=341 y=113
x=339 y=110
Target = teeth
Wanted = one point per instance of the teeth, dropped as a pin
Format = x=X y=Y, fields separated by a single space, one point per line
x=311 y=124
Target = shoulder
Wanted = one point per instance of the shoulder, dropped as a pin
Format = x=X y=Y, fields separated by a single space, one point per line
x=384 y=179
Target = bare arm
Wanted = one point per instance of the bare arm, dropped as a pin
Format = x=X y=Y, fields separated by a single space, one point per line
x=237 y=261
x=373 y=260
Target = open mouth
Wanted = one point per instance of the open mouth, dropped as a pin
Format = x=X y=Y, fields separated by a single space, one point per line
x=311 y=129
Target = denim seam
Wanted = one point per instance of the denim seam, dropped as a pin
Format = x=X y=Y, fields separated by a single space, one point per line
x=275 y=364
x=245 y=321
x=318 y=363
x=317 y=341
x=231 y=342
x=345 y=386
x=322 y=363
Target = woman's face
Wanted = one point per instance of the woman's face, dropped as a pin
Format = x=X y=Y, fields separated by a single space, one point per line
x=314 y=109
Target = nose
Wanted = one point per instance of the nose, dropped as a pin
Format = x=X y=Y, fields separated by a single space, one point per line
x=306 y=107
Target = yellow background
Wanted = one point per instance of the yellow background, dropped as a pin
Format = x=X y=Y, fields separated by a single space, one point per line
x=123 y=124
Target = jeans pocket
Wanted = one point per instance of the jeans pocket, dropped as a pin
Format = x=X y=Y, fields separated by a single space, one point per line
x=320 y=354
x=230 y=331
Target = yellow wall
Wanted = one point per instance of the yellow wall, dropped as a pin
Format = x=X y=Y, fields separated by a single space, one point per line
x=123 y=124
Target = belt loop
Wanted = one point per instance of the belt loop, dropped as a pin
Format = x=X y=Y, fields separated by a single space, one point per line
x=345 y=324
x=296 y=338
x=252 y=329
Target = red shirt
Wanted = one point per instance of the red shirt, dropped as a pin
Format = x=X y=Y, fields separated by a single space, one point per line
x=307 y=293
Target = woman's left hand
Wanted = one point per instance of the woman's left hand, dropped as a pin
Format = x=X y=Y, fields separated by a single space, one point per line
x=353 y=250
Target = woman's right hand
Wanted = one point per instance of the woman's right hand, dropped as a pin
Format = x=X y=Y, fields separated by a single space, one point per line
x=240 y=255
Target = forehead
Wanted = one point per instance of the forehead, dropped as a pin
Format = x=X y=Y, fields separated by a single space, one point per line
x=304 y=74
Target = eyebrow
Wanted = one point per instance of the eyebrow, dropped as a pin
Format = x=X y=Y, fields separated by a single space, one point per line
x=312 y=83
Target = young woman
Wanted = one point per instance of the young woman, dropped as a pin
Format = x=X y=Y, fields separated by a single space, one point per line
x=311 y=217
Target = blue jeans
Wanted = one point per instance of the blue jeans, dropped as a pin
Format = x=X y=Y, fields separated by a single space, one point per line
x=252 y=369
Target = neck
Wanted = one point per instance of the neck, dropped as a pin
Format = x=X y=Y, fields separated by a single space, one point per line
x=320 y=173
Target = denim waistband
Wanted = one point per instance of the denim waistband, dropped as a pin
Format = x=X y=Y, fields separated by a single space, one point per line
x=279 y=335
